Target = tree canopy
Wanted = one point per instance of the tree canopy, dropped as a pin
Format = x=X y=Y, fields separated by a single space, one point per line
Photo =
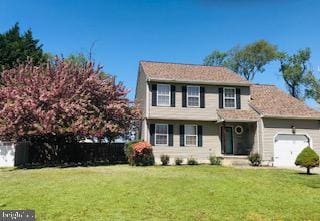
x=247 y=60
x=295 y=72
x=17 y=48
x=63 y=100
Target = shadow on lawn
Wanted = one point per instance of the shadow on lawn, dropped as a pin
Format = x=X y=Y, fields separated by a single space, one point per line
x=67 y=165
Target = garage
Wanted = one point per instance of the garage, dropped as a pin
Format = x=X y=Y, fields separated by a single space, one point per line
x=7 y=154
x=287 y=147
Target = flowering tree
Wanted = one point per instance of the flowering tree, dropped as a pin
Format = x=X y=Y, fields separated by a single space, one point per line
x=63 y=100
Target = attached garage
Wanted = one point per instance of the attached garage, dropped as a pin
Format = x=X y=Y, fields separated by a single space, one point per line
x=287 y=147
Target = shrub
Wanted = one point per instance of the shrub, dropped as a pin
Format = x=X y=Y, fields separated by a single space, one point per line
x=164 y=160
x=192 y=161
x=215 y=160
x=308 y=159
x=255 y=159
x=178 y=161
x=139 y=153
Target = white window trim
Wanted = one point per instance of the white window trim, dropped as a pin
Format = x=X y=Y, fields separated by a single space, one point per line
x=185 y=135
x=235 y=97
x=155 y=135
x=193 y=96
x=164 y=105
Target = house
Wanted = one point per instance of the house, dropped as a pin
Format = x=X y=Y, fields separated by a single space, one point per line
x=198 y=111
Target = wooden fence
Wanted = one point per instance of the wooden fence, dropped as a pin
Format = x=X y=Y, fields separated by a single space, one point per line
x=69 y=154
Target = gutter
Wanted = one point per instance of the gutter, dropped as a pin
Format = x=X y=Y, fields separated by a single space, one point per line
x=199 y=82
x=290 y=117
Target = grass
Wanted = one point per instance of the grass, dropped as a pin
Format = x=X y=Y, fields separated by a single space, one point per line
x=161 y=193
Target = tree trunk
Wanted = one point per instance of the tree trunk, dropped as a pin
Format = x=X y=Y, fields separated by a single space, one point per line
x=308 y=170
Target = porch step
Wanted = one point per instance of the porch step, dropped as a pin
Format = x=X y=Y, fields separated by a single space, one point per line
x=235 y=161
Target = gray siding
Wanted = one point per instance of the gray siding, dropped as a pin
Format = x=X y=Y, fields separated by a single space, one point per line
x=141 y=95
x=194 y=113
x=211 y=142
x=272 y=127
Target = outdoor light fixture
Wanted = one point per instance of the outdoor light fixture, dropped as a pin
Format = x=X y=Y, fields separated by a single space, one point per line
x=293 y=128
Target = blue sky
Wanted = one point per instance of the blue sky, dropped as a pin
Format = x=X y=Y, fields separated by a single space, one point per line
x=124 y=32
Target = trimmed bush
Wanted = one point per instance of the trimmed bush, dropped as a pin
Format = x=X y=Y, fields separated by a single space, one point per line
x=255 y=159
x=139 y=153
x=215 y=160
x=164 y=160
x=178 y=161
x=192 y=161
x=308 y=158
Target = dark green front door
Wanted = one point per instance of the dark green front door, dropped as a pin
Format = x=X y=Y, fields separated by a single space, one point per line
x=229 y=140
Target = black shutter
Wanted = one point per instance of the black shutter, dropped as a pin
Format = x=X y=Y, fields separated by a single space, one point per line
x=170 y=135
x=222 y=135
x=152 y=130
x=173 y=95
x=199 y=136
x=221 y=97
x=184 y=96
x=238 y=98
x=181 y=135
x=154 y=94
x=202 y=97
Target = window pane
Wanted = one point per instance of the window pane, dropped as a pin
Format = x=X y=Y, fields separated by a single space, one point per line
x=191 y=140
x=163 y=100
x=229 y=92
x=193 y=101
x=161 y=128
x=163 y=89
x=190 y=129
x=229 y=102
x=193 y=91
x=161 y=139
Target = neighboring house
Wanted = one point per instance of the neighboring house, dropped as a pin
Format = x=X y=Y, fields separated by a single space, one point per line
x=198 y=111
x=7 y=152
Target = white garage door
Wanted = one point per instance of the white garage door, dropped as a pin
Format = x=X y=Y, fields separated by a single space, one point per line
x=6 y=154
x=287 y=147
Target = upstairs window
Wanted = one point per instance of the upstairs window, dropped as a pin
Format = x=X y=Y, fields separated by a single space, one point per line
x=161 y=134
x=229 y=96
x=163 y=95
x=190 y=133
x=193 y=96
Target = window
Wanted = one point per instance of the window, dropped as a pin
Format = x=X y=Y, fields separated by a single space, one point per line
x=229 y=97
x=191 y=137
x=193 y=96
x=163 y=95
x=161 y=134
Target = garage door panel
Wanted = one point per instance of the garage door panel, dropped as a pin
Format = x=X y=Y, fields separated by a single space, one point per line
x=287 y=147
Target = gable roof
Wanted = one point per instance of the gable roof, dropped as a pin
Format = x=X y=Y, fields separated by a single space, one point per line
x=174 y=72
x=270 y=101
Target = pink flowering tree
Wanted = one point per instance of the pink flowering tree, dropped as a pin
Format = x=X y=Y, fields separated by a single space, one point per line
x=63 y=100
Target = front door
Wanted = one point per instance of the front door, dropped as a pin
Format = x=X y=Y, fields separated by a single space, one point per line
x=229 y=141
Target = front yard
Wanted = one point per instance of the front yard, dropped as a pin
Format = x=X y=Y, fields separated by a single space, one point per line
x=162 y=193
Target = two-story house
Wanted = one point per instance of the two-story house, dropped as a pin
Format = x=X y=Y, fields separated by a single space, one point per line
x=197 y=111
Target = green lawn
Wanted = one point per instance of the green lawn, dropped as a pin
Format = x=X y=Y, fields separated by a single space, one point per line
x=162 y=193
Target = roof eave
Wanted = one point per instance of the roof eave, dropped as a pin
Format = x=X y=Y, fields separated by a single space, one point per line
x=237 y=120
x=200 y=82
x=291 y=117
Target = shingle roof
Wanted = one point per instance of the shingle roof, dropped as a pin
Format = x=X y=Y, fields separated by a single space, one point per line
x=270 y=101
x=191 y=72
x=234 y=115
